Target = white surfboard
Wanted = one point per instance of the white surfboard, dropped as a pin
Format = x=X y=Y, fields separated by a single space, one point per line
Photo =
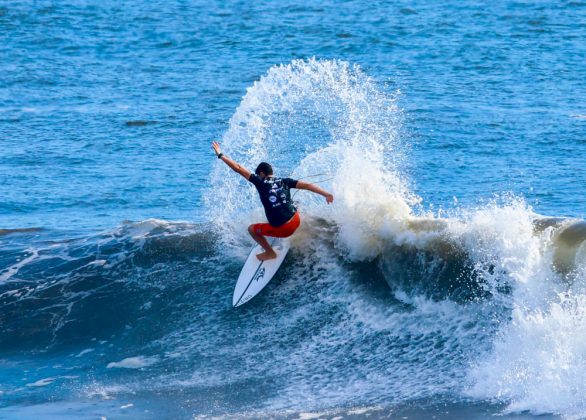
x=255 y=274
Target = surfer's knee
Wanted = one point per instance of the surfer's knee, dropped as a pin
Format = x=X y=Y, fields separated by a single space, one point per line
x=251 y=229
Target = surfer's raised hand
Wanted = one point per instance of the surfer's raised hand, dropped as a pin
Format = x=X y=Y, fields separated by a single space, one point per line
x=216 y=147
x=236 y=167
x=329 y=198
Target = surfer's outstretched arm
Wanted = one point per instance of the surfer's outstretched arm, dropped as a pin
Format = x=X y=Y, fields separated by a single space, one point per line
x=236 y=167
x=315 y=189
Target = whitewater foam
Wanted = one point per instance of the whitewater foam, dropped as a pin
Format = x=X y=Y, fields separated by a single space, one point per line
x=484 y=303
x=351 y=130
x=347 y=129
x=136 y=362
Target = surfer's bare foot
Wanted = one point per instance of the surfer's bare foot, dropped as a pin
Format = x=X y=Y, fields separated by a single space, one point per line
x=266 y=256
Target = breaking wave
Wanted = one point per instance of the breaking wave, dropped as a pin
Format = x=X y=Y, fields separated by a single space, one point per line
x=378 y=303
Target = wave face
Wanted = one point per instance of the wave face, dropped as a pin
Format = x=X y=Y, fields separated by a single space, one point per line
x=378 y=304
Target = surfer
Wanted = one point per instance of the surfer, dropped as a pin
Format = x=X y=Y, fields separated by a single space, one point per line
x=275 y=197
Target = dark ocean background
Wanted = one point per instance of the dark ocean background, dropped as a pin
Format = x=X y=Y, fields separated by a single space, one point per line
x=448 y=279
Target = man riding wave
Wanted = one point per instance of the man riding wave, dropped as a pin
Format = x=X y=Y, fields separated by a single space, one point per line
x=275 y=196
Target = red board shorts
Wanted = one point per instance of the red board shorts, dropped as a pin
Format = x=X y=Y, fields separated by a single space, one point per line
x=283 y=231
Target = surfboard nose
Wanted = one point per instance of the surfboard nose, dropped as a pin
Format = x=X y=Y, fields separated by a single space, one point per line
x=255 y=274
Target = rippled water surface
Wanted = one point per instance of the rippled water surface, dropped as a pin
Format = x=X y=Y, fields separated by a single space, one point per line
x=107 y=110
x=447 y=279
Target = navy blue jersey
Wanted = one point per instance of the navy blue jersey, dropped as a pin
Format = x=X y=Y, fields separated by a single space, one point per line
x=275 y=196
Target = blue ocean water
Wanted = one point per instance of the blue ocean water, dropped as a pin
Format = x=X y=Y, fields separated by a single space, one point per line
x=447 y=279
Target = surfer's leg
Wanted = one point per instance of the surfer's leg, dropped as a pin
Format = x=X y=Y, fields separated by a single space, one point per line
x=262 y=241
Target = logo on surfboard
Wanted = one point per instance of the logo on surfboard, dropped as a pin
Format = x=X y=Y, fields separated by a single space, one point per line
x=259 y=274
